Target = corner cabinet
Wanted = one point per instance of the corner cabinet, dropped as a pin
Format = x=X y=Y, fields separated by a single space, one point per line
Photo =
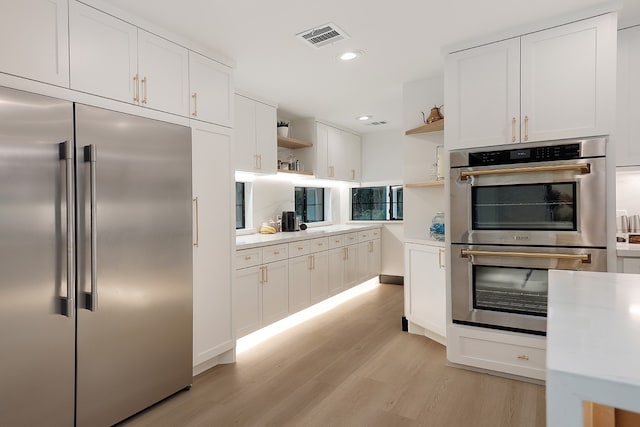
x=213 y=241
x=35 y=41
x=255 y=136
x=551 y=84
x=425 y=290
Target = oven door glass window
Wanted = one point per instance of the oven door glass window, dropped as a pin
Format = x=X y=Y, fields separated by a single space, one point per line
x=512 y=290
x=546 y=206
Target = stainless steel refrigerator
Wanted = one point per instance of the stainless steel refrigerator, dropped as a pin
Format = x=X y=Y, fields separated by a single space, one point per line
x=95 y=262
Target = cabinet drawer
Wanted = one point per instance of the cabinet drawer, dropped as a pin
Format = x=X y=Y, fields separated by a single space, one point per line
x=375 y=234
x=299 y=248
x=274 y=253
x=503 y=353
x=364 y=236
x=336 y=241
x=248 y=258
x=317 y=245
x=351 y=238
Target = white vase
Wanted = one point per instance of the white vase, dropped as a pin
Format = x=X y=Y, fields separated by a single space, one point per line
x=283 y=131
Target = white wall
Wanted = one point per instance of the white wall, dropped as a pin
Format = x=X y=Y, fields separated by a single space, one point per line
x=382 y=157
x=628 y=189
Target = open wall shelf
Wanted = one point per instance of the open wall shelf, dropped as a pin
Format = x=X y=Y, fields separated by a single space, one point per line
x=425 y=184
x=431 y=127
x=292 y=143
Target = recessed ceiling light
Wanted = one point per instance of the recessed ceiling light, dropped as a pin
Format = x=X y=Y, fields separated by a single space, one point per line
x=348 y=56
x=363 y=118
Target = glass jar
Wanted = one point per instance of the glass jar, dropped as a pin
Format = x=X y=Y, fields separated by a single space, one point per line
x=436 y=231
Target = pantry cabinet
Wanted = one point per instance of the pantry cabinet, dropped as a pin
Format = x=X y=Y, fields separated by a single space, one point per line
x=211 y=90
x=35 y=40
x=551 y=84
x=425 y=289
x=212 y=272
x=114 y=59
x=628 y=93
x=256 y=136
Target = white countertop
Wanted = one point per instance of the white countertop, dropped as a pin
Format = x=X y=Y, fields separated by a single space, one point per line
x=426 y=241
x=257 y=240
x=593 y=343
x=628 y=250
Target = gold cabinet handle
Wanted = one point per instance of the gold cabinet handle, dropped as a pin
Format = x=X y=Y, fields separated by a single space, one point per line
x=144 y=90
x=582 y=168
x=276 y=252
x=300 y=248
x=331 y=170
x=195 y=104
x=344 y=254
x=513 y=129
x=526 y=128
x=440 y=256
x=136 y=82
x=247 y=258
x=584 y=258
x=523 y=357
x=197 y=242
x=266 y=274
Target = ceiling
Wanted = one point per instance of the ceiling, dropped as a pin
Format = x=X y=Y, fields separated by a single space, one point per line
x=401 y=41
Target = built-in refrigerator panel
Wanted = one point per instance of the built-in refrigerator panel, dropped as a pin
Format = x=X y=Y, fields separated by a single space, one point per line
x=37 y=327
x=134 y=336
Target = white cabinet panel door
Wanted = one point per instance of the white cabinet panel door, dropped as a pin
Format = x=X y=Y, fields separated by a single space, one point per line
x=35 y=42
x=164 y=74
x=212 y=263
x=351 y=273
x=375 y=258
x=568 y=76
x=363 y=261
x=337 y=258
x=627 y=124
x=335 y=154
x=247 y=300
x=321 y=151
x=319 y=279
x=482 y=95
x=299 y=270
x=246 y=157
x=352 y=156
x=425 y=290
x=275 y=292
x=266 y=137
x=103 y=54
x=211 y=90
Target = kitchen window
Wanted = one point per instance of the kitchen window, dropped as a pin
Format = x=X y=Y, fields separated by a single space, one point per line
x=309 y=203
x=377 y=203
x=240 y=206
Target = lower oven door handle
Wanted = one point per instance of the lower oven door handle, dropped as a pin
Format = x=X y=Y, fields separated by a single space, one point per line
x=583 y=168
x=584 y=258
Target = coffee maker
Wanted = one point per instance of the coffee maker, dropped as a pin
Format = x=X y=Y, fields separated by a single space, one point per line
x=289 y=221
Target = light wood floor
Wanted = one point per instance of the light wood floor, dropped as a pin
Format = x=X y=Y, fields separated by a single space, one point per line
x=352 y=366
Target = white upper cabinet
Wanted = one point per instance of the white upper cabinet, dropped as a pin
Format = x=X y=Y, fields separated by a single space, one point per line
x=163 y=69
x=255 y=136
x=551 y=84
x=211 y=90
x=114 y=59
x=483 y=95
x=35 y=40
x=628 y=94
x=568 y=80
x=352 y=157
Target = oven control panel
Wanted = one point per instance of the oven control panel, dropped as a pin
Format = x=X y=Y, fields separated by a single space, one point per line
x=525 y=155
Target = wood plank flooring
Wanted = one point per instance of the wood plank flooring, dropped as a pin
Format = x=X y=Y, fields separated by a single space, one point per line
x=352 y=366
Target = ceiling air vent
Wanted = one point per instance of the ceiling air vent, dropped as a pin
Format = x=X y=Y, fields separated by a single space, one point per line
x=381 y=122
x=323 y=35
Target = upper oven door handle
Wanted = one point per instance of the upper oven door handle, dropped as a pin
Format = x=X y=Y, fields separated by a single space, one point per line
x=584 y=258
x=582 y=168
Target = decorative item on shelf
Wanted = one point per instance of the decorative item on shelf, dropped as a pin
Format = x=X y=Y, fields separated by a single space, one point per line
x=434 y=115
x=436 y=231
x=283 y=129
x=439 y=162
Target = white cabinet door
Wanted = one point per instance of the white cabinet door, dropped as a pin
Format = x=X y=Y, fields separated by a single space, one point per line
x=628 y=110
x=337 y=259
x=211 y=90
x=212 y=263
x=482 y=95
x=319 y=278
x=352 y=156
x=246 y=157
x=275 y=292
x=351 y=273
x=375 y=258
x=631 y=265
x=425 y=287
x=34 y=36
x=266 y=137
x=363 y=261
x=164 y=74
x=103 y=54
x=247 y=300
x=322 y=151
x=299 y=270
x=568 y=77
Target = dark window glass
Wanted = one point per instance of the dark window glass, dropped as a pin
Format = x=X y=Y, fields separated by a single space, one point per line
x=240 y=206
x=376 y=203
x=309 y=203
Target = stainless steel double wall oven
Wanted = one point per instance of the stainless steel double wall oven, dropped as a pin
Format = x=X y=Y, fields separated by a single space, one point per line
x=516 y=212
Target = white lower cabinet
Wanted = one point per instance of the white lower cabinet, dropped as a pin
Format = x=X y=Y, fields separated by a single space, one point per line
x=247 y=300
x=629 y=265
x=299 y=272
x=337 y=258
x=425 y=289
x=351 y=273
x=369 y=261
x=212 y=271
x=319 y=277
x=275 y=291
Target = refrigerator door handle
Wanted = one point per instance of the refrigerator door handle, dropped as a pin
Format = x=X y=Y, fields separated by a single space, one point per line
x=66 y=302
x=90 y=156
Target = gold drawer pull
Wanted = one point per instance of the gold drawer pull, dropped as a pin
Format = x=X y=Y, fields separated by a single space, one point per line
x=276 y=252
x=247 y=258
x=523 y=357
x=300 y=248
